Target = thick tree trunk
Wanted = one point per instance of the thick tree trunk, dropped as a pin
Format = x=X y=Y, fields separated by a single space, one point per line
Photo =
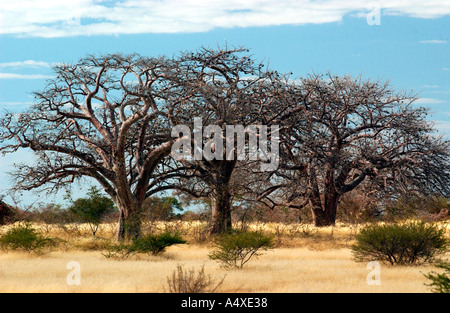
x=323 y=208
x=221 y=198
x=319 y=217
x=129 y=225
x=325 y=215
x=323 y=218
x=221 y=211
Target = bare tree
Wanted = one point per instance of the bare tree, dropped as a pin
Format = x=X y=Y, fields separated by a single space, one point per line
x=346 y=131
x=107 y=118
x=228 y=89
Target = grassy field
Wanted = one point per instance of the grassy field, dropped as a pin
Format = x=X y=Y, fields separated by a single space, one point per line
x=304 y=260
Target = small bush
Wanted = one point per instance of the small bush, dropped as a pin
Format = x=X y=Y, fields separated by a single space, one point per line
x=24 y=237
x=92 y=209
x=187 y=281
x=150 y=244
x=119 y=251
x=156 y=244
x=236 y=249
x=440 y=282
x=408 y=243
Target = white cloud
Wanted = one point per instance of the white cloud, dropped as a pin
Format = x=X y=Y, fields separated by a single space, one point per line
x=27 y=63
x=430 y=86
x=55 y=18
x=12 y=104
x=23 y=76
x=428 y=101
x=433 y=42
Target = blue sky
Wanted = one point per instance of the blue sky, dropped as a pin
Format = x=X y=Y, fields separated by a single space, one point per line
x=407 y=42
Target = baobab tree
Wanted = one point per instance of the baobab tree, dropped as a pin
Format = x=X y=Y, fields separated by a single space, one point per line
x=231 y=92
x=110 y=118
x=344 y=131
x=107 y=118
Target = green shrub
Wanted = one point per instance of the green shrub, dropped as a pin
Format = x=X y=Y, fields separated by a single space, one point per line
x=150 y=244
x=92 y=209
x=440 y=281
x=407 y=243
x=236 y=249
x=118 y=251
x=156 y=244
x=25 y=238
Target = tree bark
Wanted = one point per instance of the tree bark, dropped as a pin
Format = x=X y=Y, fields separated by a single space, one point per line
x=325 y=215
x=323 y=212
x=120 y=235
x=221 y=211
x=129 y=225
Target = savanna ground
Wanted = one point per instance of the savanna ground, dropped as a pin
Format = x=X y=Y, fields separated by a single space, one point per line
x=304 y=259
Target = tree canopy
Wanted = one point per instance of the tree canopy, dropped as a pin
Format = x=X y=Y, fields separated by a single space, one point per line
x=112 y=118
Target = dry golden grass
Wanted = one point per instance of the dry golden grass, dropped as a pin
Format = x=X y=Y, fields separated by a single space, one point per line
x=304 y=260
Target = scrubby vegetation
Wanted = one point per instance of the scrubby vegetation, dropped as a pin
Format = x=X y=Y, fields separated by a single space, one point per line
x=24 y=237
x=169 y=240
x=440 y=282
x=400 y=243
x=150 y=244
x=236 y=249
x=292 y=265
x=190 y=281
x=92 y=209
